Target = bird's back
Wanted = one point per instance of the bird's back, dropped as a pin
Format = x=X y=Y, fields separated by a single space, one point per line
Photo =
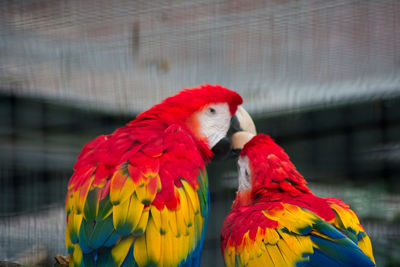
x=301 y=231
x=130 y=201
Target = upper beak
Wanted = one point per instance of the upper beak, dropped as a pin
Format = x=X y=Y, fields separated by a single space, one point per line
x=230 y=147
x=242 y=121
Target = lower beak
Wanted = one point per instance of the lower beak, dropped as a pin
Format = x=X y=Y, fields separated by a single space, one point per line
x=228 y=147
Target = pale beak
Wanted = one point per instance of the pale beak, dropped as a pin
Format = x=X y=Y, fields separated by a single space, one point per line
x=245 y=130
x=239 y=139
x=240 y=122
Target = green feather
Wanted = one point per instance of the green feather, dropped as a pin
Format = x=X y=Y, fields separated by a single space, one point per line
x=203 y=192
x=91 y=205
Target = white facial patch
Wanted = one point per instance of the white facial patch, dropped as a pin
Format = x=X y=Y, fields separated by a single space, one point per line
x=244 y=173
x=214 y=122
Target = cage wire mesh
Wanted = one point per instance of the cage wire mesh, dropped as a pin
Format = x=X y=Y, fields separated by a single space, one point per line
x=126 y=55
x=70 y=70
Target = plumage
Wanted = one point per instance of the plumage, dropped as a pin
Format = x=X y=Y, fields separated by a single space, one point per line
x=277 y=221
x=139 y=196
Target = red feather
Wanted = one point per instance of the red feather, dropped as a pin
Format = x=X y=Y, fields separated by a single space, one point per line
x=277 y=191
x=140 y=139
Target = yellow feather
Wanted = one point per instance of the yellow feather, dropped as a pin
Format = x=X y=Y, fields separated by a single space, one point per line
x=257 y=261
x=121 y=249
x=259 y=244
x=180 y=251
x=174 y=248
x=161 y=260
x=262 y=254
x=81 y=194
x=266 y=256
x=276 y=256
x=191 y=216
x=75 y=201
x=134 y=212
x=74 y=224
x=180 y=224
x=347 y=217
x=77 y=255
x=140 y=251
x=153 y=242
x=159 y=185
x=70 y=225
x=271 y=236
x=287 y=254
x=165 y=220
x=366 y=247
x=167 y=249
x=292 y=217
x=244 y=252
x=184 y=206
x=185 y=242
x=252 y=251
x=120 y=212
x=141 y=190
x=229 y=256
x=120 y=193
x=70 y=246
x=156 y=215
x=173 y=222
x=305 y=243
x=192 y=195
x=190 y=239
x=69 y=202
x=295 y=246
x=150 y=194
x=141 y=227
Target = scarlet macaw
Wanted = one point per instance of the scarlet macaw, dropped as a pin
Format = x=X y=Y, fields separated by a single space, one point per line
x=277 y=221
x=139 y=196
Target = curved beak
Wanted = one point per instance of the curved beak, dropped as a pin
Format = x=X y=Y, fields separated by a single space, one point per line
x=240 y=122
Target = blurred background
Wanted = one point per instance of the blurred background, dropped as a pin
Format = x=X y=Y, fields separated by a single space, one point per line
x=321 y=77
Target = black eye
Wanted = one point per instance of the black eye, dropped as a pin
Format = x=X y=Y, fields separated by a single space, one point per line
x=212 y=110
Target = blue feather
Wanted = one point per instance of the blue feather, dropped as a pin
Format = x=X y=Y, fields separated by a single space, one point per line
x=328 y=229
x=341 y=250
x=318 y=258
x=130 y=260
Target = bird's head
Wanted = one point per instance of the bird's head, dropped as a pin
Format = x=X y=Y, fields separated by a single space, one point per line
x=208 y=112
x=264 y=169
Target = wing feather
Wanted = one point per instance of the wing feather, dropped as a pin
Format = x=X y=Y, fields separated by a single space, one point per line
x=149 y=209
x=153 y=242
x=140 y=251
x=287 y=236
x=121 y=249
x=347 y=221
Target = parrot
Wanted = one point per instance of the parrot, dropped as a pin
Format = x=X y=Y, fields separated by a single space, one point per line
x=139 y=196
x=275 y=219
